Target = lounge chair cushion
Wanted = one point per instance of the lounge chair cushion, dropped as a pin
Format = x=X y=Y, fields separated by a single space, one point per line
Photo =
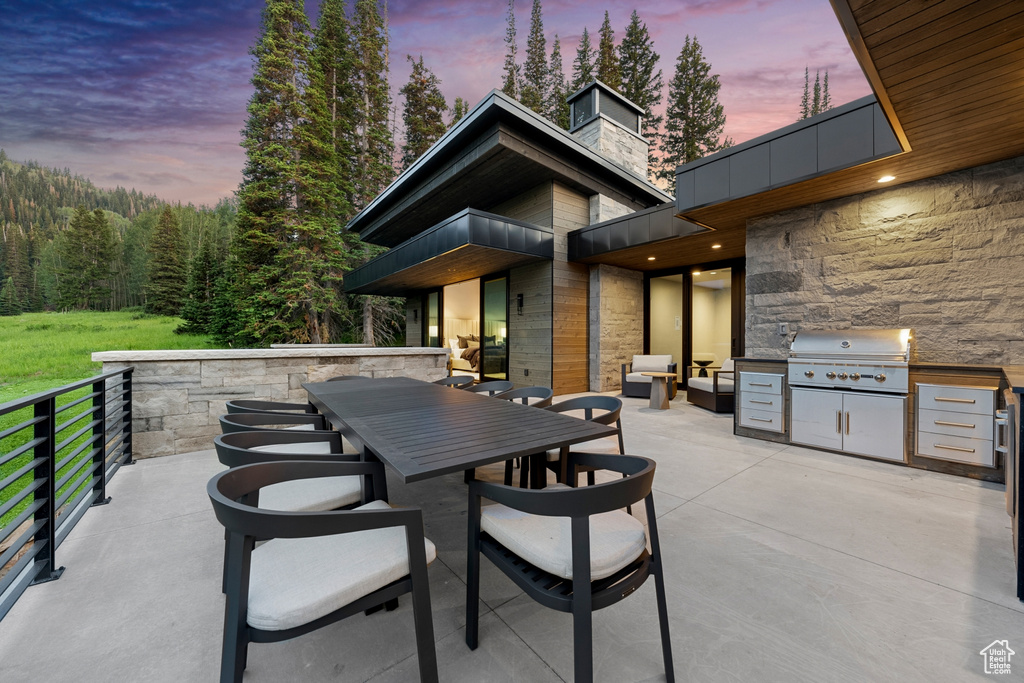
x=616 y=539
x=311 y=447
x=637 y=378
x=294 y=581
x=725 y=383
x=657 y=363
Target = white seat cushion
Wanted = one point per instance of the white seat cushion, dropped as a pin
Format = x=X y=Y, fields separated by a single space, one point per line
x=312 y=495
x=294 y=581
x=302 y=428
x=657 y=363
x=725 y=383
x=637 y=378
x=311 y=447
x=608 y=444
x=616 y=539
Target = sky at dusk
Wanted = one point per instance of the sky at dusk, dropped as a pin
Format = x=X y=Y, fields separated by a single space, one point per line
x=151 y=94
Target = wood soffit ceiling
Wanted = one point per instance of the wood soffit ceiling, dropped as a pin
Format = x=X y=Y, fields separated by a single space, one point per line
x=950 y=77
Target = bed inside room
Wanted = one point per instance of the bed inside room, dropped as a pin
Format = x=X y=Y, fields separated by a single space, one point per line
x=461 y=325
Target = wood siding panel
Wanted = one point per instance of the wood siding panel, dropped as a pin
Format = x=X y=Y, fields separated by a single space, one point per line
x=530 y=333
x=570 y=292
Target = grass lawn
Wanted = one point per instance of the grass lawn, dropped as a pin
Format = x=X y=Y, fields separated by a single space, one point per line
x=43 y=351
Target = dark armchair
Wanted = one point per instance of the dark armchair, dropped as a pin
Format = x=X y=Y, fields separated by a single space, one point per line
x=715 y=393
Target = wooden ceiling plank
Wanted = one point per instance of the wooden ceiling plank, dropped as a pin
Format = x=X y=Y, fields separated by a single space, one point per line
x=905 y=17
x=1003 y=61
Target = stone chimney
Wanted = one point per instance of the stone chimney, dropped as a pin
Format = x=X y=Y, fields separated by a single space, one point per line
x=609 y=124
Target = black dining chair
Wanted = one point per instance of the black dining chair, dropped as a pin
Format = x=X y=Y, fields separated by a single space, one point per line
x=247 y=422
x=250 y=405
x=314 y=568
x=491 y=388
x=604 y=410
x=456 y=381
x=571 y=549
x=526 y=396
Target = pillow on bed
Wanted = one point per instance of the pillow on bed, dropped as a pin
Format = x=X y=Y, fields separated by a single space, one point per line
x=464 y=341
x=473 y=345
x=453 y=344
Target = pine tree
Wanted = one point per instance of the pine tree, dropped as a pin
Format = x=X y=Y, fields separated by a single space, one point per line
x=816 y=97
x=86 y=250
x=9 y=304
x=510 y=73
x=583 y=66
x=805 y=100
x=556 y=108
x=459 y=110
x=826 y=99
x=423 y=114
x=694 y=118
x=15 y=264
x=642 y=80
x=374 y=141
x=334 y=65
x=533 y=92
x=167 y=274
x=197 y=310
x=608 y=69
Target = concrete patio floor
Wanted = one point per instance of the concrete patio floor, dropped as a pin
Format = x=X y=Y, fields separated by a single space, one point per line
x=782 y=564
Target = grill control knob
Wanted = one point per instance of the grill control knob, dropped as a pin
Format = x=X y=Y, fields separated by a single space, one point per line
x=880 y=377
x=855 y=376
x=808 y=373
x=843 y=375
x=830 y=375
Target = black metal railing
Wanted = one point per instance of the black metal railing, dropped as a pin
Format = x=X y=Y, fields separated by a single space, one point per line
x=58 y=450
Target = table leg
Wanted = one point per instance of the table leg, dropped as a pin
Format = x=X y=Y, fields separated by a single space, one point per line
x=380 y=486
x=538 y=470
x=659 y=393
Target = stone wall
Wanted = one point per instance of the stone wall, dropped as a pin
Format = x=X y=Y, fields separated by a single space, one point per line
x=178 y=396
x=940 y=256
x=616 y=323
x=616 y=143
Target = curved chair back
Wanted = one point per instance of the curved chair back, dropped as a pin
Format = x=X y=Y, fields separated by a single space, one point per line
x=456 y=381
x=543 y=395
x=600 y=409
x=235 y=449
x=249 y=405
x=491 y=388
x=345 y=378
x=247 y=422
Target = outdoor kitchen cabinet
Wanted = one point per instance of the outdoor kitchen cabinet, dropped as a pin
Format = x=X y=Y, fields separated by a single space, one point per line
x=956 y=423
x=855 y=423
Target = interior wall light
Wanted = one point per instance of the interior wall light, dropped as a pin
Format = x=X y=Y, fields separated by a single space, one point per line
x=519 y=304
x=887 y=179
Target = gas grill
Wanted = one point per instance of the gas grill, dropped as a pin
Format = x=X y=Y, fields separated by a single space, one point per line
x=849 y=391
x=854 y=360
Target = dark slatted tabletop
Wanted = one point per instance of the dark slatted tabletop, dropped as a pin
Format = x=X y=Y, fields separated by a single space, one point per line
x=424 y=430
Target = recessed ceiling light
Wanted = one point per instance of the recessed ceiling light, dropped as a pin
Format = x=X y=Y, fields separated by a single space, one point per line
x=696 y=272
x=713 y=272
x=716 y=246
x=887 y=178
x=650 y=258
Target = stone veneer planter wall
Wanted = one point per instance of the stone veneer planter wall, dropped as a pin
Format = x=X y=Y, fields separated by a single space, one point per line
x=178 y=395
x=941 y=256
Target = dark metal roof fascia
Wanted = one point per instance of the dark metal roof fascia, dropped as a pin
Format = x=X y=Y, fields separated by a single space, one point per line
x=643 y=227
x=764 y=166
x=495 y=104
x=468 y=226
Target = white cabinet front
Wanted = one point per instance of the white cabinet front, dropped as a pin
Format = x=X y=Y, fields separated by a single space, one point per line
x=817 y=418
x=864 y=424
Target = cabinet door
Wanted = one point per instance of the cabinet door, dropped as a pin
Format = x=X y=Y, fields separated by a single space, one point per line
x=874 y=425
x=816 y=418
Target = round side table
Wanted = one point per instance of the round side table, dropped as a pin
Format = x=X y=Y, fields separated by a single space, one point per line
x=659 y=388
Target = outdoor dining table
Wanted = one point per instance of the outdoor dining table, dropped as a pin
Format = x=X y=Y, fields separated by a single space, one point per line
x=422 y=430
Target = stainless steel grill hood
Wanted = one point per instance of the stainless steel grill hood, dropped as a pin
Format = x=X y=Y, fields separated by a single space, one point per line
x=853 y=345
